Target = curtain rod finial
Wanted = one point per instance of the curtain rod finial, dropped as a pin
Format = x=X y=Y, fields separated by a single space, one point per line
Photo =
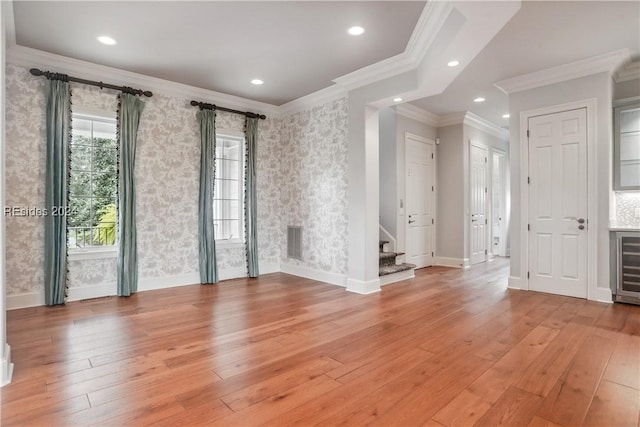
x=36 y=72
x=194 y=103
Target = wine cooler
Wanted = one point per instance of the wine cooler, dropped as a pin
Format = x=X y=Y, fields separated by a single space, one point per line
x=627 y=270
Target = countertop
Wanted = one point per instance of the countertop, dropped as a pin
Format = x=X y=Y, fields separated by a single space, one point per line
x=618 y=227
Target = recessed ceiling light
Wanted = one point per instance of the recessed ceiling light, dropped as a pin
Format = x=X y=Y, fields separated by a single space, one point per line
x=505 y=116
x=397 y=99
x=453 y=63
x=479 y=99
x=256 y=82
x=106 y=40
x=355 y=31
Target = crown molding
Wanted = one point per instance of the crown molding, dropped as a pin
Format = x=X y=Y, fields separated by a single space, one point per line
x=416 y=113
x=431 y=20
x=475 y=121
x=28 y=58
x=630 y=72
x=607 y=62
x=451 y=119
x=314 y=99
x=484 y=125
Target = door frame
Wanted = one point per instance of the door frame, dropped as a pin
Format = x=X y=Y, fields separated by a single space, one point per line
x=592 y=190
x=502 y=248
x=424 y=140
x=487 y=205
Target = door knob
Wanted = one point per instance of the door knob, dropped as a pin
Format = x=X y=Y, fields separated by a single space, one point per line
x=411 y=221
x=580 y=220
x=581 y=227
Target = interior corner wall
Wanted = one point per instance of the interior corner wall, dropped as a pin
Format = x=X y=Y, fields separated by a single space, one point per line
x=167 y=174
x=594 y=86
x=406 y=125
x=313 y=190
x=450 y=194
x=388 y=170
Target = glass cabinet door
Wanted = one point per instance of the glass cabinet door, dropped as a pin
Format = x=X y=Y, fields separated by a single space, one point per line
x=627 y=148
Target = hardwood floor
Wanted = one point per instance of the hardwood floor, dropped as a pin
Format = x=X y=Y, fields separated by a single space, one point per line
x=448 y=348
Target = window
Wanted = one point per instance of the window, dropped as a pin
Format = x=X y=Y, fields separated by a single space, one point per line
x=229 y=188
x=93 y=183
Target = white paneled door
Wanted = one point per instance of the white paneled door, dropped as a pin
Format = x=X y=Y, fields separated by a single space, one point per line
x=558 y=203
x=420 y=201
x=478 y=205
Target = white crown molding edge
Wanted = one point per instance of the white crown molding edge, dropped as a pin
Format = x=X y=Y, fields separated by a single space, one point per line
x=320 y=97
x=451 y=119
x=630 y=72
x=416 y=113
x=485 y=125
x=607 y=62
x=29 y=58
x=431 y=20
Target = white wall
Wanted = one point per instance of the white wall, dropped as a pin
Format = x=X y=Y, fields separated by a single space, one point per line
x=450 y=195
x=596 y=86
x=5 y=359
x=388 y=171
x=167 y=192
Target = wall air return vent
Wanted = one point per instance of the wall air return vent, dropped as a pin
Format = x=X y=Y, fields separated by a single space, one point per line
x=294 y=242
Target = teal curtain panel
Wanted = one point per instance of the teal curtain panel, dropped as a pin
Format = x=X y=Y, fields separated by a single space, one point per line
x=130 y=109
x=250 y=196
x=206 y=234
x=58 y=96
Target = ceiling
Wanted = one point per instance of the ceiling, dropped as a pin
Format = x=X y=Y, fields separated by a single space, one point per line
x=542 y=34
x=296 y=48
x=299 y=47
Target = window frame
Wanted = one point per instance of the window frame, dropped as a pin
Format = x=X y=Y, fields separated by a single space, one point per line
x=239 y=242
x=97 y=251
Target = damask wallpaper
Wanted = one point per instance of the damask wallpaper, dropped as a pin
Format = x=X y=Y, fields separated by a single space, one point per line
x=167 y=165
x=314 y=185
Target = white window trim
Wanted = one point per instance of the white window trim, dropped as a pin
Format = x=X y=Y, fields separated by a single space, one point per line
x=239 y=242
x=229 y=244
x=94 y=252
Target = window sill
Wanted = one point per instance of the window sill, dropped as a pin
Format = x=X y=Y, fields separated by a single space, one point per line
x=93 y=253
x=226 y=244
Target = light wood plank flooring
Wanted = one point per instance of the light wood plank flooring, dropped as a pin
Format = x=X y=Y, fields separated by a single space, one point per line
x=448 y=348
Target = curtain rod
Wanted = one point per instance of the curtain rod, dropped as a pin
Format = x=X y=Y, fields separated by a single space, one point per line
x=205 y=106
x=36 y=72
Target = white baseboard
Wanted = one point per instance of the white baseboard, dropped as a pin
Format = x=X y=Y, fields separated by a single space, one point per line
x=153 y=283
x=397 y=277
x=269 y=268
x=86 y=292
x=362 y=287
x=35 y=299
x=27 y=299
x=6 y=367
x=310 y=273
x=516 y=283
x=452 y=262
x=603 y=294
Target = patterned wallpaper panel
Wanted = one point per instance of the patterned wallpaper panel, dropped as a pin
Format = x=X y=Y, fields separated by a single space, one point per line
x=167 y=164
x=627 y=205
x=314 y=185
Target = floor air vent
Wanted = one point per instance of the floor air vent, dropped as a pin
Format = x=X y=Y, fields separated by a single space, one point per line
x=294 y=242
